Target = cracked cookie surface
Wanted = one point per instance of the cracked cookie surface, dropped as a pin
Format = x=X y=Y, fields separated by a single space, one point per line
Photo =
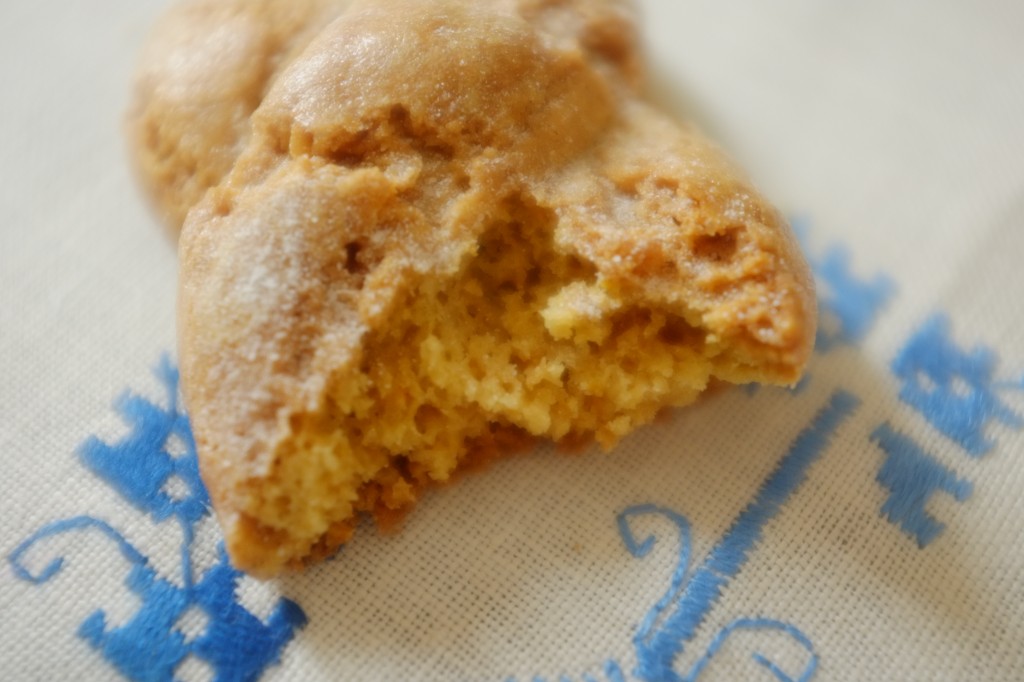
x=456 y=227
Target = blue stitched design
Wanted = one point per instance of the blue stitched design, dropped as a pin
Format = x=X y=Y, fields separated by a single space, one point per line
x=761 y=624
x=674 y=619
x=954 y=389
x=140 y=466
x=56 y=528
x=643 y=548
x=912 y=475
x=658 y=647
x=235 y=644
x=612 y=673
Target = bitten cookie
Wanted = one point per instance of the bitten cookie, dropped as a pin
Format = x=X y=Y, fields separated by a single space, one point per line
x=456 y=224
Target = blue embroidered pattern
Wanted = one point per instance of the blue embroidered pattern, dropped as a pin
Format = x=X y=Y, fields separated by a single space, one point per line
x=235 y=644
x=763 y=661
x=954 y=389
x=911 y=475
x=674 y=619
x=957 y=393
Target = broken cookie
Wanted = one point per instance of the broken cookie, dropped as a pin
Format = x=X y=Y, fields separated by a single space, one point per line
x=455 y=225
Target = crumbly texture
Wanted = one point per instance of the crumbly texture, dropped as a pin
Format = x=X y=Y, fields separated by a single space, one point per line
x=456 y=227
x=204 y=70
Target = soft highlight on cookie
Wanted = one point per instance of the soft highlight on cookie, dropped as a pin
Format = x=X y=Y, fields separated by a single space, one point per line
x=204 y=70
x=455 y=228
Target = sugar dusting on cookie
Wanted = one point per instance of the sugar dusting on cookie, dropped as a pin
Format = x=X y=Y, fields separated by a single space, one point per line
x=420 y=260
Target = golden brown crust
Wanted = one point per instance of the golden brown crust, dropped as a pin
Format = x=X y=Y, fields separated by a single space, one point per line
x=663 y=212
x=399 y=158
x=208 y=64
x=204 y=70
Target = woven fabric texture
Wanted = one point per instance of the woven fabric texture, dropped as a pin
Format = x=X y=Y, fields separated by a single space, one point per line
x=865 y=525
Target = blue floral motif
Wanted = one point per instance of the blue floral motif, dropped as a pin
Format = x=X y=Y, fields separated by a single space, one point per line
x=235 y=644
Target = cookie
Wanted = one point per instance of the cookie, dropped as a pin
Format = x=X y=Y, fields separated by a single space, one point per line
x=455 y=227
x=204 y=70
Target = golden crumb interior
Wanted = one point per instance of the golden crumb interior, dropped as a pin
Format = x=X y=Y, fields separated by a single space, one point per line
x=524 y=339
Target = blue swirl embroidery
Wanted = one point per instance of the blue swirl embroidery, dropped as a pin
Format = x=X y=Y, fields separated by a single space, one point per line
x=761 y=624
x=673 y=621
x=142 y=468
